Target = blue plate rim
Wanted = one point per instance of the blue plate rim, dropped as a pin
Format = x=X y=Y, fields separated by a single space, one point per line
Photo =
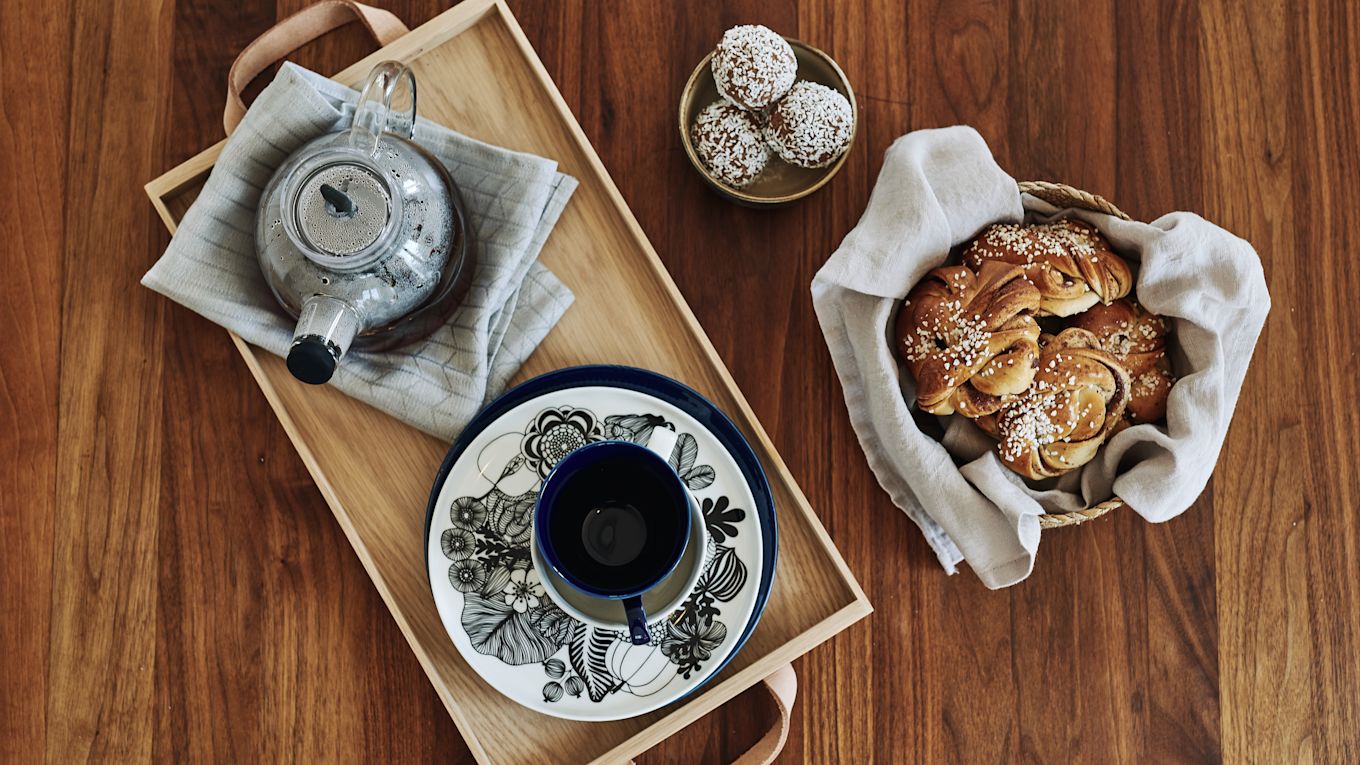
x=670 y=390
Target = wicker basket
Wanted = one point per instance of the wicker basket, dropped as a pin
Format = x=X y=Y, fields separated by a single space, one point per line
x=1065 y=196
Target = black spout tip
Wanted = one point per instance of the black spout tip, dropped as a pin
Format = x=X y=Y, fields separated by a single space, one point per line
x=311 y=361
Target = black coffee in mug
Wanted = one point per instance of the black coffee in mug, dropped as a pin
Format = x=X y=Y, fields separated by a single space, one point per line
x=613 y=520
x=617 y=522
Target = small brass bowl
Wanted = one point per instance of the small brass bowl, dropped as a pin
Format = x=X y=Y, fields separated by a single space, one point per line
x=780 y=183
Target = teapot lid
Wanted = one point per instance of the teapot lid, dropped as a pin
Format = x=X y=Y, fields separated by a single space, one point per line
x=341 y=209
x=339 y=206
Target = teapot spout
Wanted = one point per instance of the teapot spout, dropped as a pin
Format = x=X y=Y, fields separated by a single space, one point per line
x=326 y=326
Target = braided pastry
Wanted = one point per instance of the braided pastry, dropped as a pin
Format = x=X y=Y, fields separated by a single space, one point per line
x=968 y=338
x=1077 y=399
x=1137 y=339
x=1068 y=260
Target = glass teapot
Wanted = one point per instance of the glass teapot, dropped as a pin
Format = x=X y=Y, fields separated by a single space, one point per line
x=361 y=234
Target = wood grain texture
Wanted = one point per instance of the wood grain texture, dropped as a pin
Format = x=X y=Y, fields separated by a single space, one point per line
x=33 y=93
x=103 y=615
x=176 y=588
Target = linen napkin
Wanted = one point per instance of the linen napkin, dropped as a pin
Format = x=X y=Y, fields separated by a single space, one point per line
x=513 y=200
x=939 y=189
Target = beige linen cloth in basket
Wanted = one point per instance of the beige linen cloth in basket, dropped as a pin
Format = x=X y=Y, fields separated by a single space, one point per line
x=437 y=384
x=940 y=188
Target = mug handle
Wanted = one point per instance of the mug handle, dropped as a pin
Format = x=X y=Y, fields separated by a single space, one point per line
x=637 y=620
x=662 y=442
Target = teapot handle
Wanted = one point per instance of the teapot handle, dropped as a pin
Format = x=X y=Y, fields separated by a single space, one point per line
x=292 y=33
x=389 y=83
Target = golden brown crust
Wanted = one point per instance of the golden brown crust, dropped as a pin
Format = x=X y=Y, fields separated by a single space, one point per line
x=1076 y=401
x=1138 y=339
x=1069 y=261
x=968 y=338
x=1147 y=395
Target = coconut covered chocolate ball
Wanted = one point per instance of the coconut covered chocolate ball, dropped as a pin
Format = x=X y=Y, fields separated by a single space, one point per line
x=753 y=67
x=811 y=126
x=728 y=142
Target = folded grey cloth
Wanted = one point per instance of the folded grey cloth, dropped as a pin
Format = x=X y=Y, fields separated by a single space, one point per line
x=940 y=188
x=437 y=384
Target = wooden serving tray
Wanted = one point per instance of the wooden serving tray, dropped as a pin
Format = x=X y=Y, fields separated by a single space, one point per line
x=478 y=74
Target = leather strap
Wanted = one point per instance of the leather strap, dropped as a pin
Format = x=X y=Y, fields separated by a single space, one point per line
x=292 y=33
x=783 y=687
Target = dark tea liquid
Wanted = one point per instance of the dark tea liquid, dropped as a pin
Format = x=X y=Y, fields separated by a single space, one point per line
x=618 y=524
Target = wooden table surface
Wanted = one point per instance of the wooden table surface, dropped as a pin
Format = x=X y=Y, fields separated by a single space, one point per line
x=174 y=587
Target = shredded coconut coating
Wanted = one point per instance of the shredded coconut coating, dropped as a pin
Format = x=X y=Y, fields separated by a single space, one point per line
x=753 y=66
x=728 y=142
x=811 y=126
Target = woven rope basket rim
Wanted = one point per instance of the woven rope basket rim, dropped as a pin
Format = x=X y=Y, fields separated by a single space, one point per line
x=1062 y=195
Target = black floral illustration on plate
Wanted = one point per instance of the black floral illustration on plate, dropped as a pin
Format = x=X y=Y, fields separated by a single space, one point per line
x=691 y=640
x=506 y=612
x=721 y=519
x=555 y=433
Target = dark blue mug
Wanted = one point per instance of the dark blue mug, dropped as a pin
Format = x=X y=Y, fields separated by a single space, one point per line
x=613 y=520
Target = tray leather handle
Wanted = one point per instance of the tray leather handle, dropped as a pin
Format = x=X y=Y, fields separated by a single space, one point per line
x=782 y=685
x=292 y=33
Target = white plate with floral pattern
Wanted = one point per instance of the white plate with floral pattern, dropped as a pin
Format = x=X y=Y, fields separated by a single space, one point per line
x=490 y=598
